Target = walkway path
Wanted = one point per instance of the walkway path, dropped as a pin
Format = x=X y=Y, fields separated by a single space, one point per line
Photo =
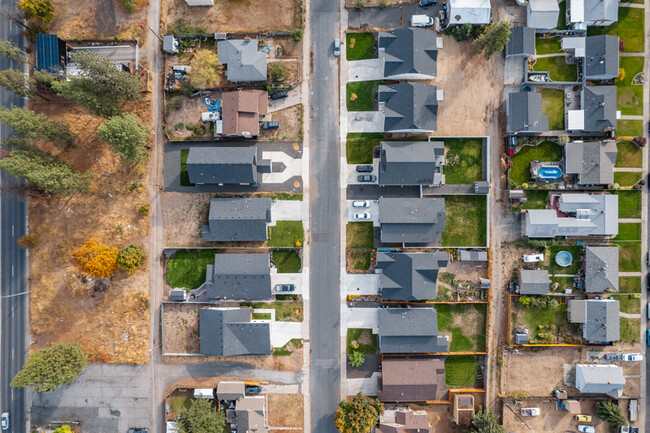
x=629 y=315
x=631 y=117
x=630 y=220
x=637 y=169
x=630 y=274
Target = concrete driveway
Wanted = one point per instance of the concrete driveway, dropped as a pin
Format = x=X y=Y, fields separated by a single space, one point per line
x=352 y=173
x=294 y=98
x=295 y=279
x=366 y=318
x=286 y=210
x=365 y=121
x=367 y=386
x=362 y=284
x=283 y=332
x=373 y=209
x=365 y=70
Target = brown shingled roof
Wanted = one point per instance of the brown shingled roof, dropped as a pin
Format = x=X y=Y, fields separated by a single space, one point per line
x=404 y=380
x=242 y=110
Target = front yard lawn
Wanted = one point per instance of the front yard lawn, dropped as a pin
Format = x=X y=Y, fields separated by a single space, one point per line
x=575 y=252
x=359 y=145
x=629 y=128
x=359 y=46
x=629 y=204
x=629 y=285
x=286 y=234
x=520 y=170
x=359 y=260
x=548 y=45
x=466 y=323
x=628 y=303
x=630 y=330
x=629 y=155
x=287 y=262
x=186 y=268
x=630 y=96
x=289 y=348
x=629 y=256
x=366 y=340
x=359 y=235
x=466 y=221
x=557 y=67
x=627 y=178
x=185 y=177
x=284 y=311
x=460 y=370
x=360 y=95
x=464 y=160
x=629 y=27
x=628 y=232
x=553 y=107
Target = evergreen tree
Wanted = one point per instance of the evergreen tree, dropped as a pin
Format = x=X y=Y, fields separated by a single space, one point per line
x=460 y=32
x=493 y=39
x=52 y=367
x=201 y=417
x=17 y=82
x=33 y=126
x=484 y=421
x=10 y=51
x=130 y=258
x=126 y=136
x=611 y=413
x=356 y=358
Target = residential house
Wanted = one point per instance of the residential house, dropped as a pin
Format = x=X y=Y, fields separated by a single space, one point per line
x=481 y=187
x=409 y=380
x=524 y=110
x=469 y=12
x=592 y=162
x=597 y=112
x=242 y=111
x=472 y=256
x=411 y=220
x=533 y=282
x=599 y=319
x=601 y=57
x=231 y=332
x=601 y=269
x=229 y=390
x=177 y=295
x=409 y=276
x=404 y=421
x=410 y=330
x=463 y=409
x=243 y=61
x=199 y=2
x=238 y=219
x=600 y=379
x=239 y=277
x=411 y=163
x=521 y=43
x=227 y=165
x=249 y=415
x=575 y=46
x=409 y=53
x=576 y=215
x=51 y=54
x=584 y=13
x=542 y=14
x=409 y=107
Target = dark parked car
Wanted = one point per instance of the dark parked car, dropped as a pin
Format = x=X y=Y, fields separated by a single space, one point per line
x=647 y=337
x=270 y=125
x=364 y=168
x=425 y=3
x=613 y=356
x=285 y=287
x=253 y=389
x=278 y=95
x=366 y=178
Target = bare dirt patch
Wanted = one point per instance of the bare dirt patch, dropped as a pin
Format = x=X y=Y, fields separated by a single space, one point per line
x=186 y=121
x=286 y=410
x=290 y=128
x=440 y=415
x=550 y=419
x=183 y=218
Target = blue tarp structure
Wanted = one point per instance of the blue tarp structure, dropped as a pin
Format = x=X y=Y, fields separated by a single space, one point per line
x=50 y=53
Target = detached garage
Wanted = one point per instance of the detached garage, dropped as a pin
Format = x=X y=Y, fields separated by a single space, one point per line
x=469 y=12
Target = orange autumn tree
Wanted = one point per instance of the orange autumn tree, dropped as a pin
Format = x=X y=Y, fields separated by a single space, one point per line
x=96 y=259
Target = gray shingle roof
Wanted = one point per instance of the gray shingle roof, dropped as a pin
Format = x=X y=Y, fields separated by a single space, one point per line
x=409 y=107
x=600 y=379
x=411 y=163
x=600 y=10
x=249 y=415
x=542 y=14
x=229 y=332
x=592 y=161
x=601 y=269
x=238 y=219
x=408 y=51
x=409 y=277
x=226 y=165
x=533 y=282
x=599 y=108
x=521 y=42
x=227 y=390
x=411 y=220
x=472 y=256
x=601 y=57
x=599 y=319
x=243 y=62
x=239 y=276
x=412 y=330
x=525 y=113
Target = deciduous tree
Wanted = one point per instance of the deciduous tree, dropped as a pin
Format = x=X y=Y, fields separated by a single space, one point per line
x=201 y=417
x=38 y=10
x=52 y=367
x=611 y=413
x=33 y=126
x=484 y=421
x=130 y=258
x=96 y=259
x=358 y=415
x=493 y=39
x=126 y=136
x=204 y=70
x=63 y=429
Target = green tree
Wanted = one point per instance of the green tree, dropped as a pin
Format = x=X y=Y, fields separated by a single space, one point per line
x=49 y=368
x=17 y=82
x=205 y=68
x=201 y=417
x=277 y=72
x=356 y=358
x=38 y=10
x=33 y=126
x=126 y=136
x=493 y=39
x=128 y=5
x=45 y=172
x=484 y=421
x=130 y=258
x=611 y=413
x=63 y=429
x=101 y=87
x=460 y=32
x=298 y=33
x=10 y=51
x=358 y=415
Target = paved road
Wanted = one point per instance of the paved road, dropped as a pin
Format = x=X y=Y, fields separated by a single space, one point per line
x=324 y=323
x=389 y=18
x=13 y=261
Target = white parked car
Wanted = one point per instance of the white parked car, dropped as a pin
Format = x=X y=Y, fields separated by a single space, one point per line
x=360 y=203
x=5 y=420
x=586 y=429
x=533 y=258
x=632 y=357
x=362 y=216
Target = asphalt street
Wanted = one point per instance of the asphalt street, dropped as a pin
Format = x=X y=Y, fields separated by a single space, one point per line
x=324 y=323
x=13 y=260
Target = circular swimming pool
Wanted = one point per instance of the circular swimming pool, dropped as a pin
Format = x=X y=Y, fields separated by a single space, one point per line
x=563 y=258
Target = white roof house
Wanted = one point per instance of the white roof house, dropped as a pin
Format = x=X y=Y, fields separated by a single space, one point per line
x=199 y=2
x=583 y=13
x=600 y=379
x=469 y=12
x=542 y=14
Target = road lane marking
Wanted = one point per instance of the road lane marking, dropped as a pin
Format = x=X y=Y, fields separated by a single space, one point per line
x=12 y=231
x=12 y=353
x=12 y=270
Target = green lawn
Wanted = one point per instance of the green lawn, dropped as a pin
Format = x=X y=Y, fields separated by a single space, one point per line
x=575 y=252
x=366 y=340
x=629 y=285
x=284 y=311
x=561 y=19
x=287 y=262
x=466 y=221
x=548 y=45
x=261 y=316
x=629 y=155
x=185 y=177
x=359 y=260
x=629 y=96
x=286 y=234
x=563 y=283
x=628 y=232
x=464 y=160
x=358 y=147
x=359 y=235
x=630 y=330
x=535 y=200
x=628 y=303
x=627 y=178
x=541 y=319
x=629 y=128
x=553 y=107
x=359 y=46
x=360 y=95
x=470 y=336
x=629 y=204
x=460 y=370
x=557 y=67
x=629 y=27
x=520 y=171
x=629 y=256
x=186 y=268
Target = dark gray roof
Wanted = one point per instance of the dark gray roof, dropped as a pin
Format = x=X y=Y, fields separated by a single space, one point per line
x=411 y=163
x=599 y=318
x=411 y=220
x=229 y=332
x=472 y=256
x=592 y=161
x=522 y=42
x=177 y=295
x=410 y=330
x=600 y=379
x=238 y=219
x=481 y=187
x=601 y=57
x=409 y=277
x=409 y=107
x=243 y=61
x=600 y=108
x=533 y=282
x=226 y=165
x=239 y=276
x=601 y=10
x=408 y=51
x=525 y=113
x=601 y=269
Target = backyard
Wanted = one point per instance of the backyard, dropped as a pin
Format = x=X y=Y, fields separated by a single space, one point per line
x=361 y=95
x=286 y=234
x=629 y=128
x=519 y=173
x=629 y=256
x=286 y=262
x=466 y=221
x=548 y=45
x=465 y=323
x=557 y=67
x=464 y=160
x=627 y=179
x=574 y=250
x=460 y=370
x=359 y=145
x=629 y=27
x=630 y=96
x=629 y=204
x=553 y=107
x=534 y=200
x=629 y=155
x=186 y=268
x=359 y=46
x=546 y=319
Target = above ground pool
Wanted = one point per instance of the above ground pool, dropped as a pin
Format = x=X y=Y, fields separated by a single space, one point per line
x=549 y=172
x=563 y=258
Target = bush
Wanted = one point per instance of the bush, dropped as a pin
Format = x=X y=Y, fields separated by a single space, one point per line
x=27 y=242
x=128 y=5
x=356 y=358
x=640 y=141
x=460 y=32
x=383 y=5
x=359 y=6
x=130 y=258
x=297 y=34
x=277 y=72
x=52 y=367
x=611 y=413
x=144 y=209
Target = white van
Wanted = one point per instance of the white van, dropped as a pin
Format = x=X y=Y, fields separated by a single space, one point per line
x=421 y=21
x=533 y=258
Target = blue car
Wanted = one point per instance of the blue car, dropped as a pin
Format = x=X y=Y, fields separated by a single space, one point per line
x=647 y=337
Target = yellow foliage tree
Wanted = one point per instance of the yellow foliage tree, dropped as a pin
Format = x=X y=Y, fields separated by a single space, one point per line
x=204 y=70
x=96 y=259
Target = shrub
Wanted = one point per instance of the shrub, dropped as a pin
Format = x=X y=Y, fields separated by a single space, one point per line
x=356 y=358
x=359 y=6
x=128 y=5
x=27 y=242
x=297 y=34
x=130 y=258
x=144 y=209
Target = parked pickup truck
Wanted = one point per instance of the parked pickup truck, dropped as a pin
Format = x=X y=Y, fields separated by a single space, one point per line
x=530 y=411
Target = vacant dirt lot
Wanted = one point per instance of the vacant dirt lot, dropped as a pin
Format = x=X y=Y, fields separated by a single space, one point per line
x=550 y=419
x=183 y=218
x=286 y=410
x=440 y=415
x=290 y=128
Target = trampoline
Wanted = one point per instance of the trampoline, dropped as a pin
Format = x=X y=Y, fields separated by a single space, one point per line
x=563 y=258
